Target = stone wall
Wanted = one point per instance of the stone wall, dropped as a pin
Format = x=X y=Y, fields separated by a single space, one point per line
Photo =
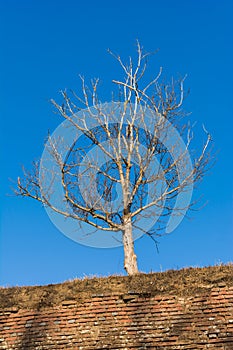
x=186 y=309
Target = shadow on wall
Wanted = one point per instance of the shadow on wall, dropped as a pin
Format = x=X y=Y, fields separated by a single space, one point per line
x=137 y=304
x=36 y=327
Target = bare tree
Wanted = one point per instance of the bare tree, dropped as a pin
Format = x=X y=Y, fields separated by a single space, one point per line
x=140 y=166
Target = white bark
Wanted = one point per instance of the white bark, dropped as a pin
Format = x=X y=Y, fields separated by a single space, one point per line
x=130 y=263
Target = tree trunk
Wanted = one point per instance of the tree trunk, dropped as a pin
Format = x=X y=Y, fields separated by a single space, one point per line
x=130 y=263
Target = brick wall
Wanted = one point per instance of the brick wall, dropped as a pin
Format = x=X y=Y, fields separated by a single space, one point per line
x=186 y=309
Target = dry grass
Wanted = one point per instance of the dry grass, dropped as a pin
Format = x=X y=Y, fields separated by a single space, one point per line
x=188 y=281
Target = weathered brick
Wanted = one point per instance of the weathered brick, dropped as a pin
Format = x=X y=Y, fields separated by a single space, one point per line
x=120 y=316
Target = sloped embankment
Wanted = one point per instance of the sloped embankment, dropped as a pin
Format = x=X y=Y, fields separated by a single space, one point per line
x=187 y=309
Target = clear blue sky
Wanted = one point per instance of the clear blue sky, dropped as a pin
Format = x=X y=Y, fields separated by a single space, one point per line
x=44 y=46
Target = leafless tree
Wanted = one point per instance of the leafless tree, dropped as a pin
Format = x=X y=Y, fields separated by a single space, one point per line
x=139 y=167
